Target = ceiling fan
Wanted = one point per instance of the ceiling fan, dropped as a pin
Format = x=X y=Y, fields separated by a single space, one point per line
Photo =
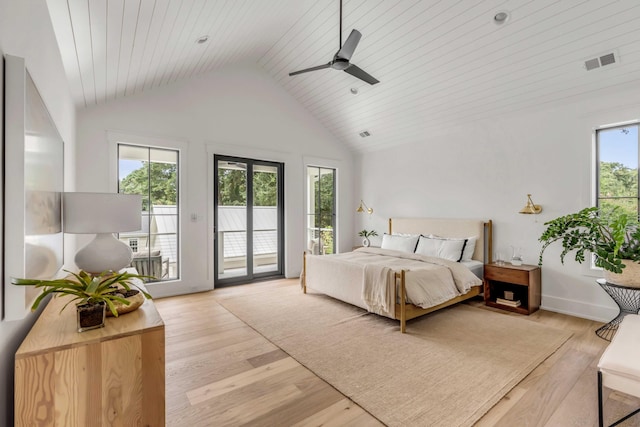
x=341 y=59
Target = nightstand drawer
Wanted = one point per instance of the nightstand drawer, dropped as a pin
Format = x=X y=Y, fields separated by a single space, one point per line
x=520 y=277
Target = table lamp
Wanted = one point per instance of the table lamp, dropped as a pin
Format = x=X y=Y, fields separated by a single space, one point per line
x=102 y=214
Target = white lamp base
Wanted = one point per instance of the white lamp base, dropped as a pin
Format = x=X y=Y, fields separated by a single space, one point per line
x=104 y=253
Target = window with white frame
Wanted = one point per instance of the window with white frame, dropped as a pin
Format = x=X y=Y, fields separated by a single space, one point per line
x=617 y=150
x=153 y=173
x=321 y=210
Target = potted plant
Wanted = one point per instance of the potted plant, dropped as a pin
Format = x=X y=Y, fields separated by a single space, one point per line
x=94 y=294
x=366 y=234
x=611 y=234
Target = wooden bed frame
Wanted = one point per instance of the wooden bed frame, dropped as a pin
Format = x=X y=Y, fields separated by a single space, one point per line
x=406 y=311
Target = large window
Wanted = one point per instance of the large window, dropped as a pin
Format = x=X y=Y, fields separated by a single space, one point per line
x=152 y=173
x=617 y=168
x=321 y=210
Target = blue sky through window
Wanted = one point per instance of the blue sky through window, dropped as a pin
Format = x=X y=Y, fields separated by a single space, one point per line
x=620 y=145
x=128 y=166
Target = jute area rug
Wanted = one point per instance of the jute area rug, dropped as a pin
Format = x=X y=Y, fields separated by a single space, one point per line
x=449 y=368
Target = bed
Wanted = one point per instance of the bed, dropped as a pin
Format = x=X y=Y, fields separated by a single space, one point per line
x=399 y=284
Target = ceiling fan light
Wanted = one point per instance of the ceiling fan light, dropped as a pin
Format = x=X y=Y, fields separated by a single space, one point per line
x=501 y=17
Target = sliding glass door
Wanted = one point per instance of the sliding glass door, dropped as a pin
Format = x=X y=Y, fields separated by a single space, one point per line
x=248 y=220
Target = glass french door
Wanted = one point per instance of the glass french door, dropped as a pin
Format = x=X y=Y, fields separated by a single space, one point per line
x=248 y=220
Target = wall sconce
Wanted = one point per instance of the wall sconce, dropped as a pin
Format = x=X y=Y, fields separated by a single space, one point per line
x=530 y=207
x=366 y=208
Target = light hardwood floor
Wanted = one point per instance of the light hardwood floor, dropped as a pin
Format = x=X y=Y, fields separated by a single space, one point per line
x=221 y=372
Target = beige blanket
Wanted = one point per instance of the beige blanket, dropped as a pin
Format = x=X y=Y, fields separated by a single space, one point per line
x=376 y=292
x=429 y=281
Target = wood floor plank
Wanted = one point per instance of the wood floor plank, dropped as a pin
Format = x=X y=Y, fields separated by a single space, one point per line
x=580 y=404
x=240 y=380
x=266 y=358
x=243 y=350
x=343 y=412
x=251 y=411
x=314 y=397
x=502 y=407
x=543 y=397
x=218 y=408
x=221 y=372
x=209 y=341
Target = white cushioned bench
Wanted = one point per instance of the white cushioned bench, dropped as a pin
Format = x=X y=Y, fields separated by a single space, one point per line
x=619 y=366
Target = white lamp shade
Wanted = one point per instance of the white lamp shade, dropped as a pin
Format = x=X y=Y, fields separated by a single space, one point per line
x=88 y=213
x=102 y=214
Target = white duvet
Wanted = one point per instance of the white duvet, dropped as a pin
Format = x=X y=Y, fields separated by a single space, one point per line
x=364 y=278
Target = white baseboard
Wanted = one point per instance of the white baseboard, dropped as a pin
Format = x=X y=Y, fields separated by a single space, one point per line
x=599 y=313
x=175 y=288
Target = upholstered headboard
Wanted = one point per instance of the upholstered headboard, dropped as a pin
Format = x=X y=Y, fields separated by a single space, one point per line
x=444 y=227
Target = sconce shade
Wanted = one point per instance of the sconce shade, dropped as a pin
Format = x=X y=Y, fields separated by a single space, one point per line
x=530 y=207
x=102 y=214
x=366 y=208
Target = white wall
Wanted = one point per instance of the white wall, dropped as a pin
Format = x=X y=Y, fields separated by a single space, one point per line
x=485 y=169
x=239 y=112
x=26 y=31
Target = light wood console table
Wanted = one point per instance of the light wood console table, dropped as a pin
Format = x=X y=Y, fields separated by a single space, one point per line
x=109 y=376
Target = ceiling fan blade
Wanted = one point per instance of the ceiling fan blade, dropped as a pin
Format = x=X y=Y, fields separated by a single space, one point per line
x=349 y=46
x=361 y=74
x=306 y=70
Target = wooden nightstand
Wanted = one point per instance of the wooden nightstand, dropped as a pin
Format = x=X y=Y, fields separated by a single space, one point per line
x=522 y=280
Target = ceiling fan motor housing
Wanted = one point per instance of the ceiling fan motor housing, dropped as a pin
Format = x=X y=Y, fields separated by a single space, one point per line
x=340 y=64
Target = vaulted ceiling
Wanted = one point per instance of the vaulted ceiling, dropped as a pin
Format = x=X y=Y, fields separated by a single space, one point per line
x=439 y=62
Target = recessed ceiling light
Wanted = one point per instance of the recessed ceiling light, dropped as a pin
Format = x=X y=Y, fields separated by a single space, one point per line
x=354 y=90
x=202 y=39
x=501 y=17
x=365 y=133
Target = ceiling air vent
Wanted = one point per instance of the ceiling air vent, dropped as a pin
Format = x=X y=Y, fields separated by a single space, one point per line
x=365 y=133
x=591 y=64
x=607 y=59
x=601 y=61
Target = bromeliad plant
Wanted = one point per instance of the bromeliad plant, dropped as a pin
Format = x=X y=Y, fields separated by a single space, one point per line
x=86 y=288
x=609 y=233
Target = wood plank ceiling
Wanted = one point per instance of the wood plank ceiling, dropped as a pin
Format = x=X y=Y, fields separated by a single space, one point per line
x=439 y=62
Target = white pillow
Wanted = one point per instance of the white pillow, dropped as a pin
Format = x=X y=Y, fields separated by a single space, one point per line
x=469 y=247
x=450 y=249
x=428 y=246
x=399 y=243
